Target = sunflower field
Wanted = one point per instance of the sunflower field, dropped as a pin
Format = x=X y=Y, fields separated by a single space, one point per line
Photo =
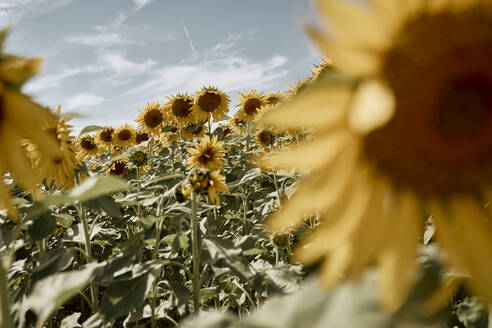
x=358 y=197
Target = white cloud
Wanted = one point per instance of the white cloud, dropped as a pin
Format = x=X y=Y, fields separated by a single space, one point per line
x=11 y=11
x=83 y=100
x=117 y=63
x=229 y=74
x=99 y=40
x=52 y=80
x=139 y=4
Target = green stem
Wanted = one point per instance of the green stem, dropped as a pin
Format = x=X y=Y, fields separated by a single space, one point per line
x=7 y=321
x=138 y=194
x=210 y=126
x=195 y=254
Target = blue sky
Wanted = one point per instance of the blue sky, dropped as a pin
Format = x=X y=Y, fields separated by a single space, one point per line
x=105 y=59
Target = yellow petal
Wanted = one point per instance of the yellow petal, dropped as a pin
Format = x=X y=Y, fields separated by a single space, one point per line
x=6 y=203
x=323 y=107
x=352 y=60
x=372 y=107
x=311 y=155
x=353 y=24
x=397 y=265
x=319 y=192
x=19 y=69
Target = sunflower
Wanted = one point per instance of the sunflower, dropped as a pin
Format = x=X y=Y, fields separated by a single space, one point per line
x=265 y=138
x=124 y=136
x=211 y=100
x=59 y=170
x=237 y=124
x=141 y=136
x=201 y=180
x=86 y=147
x=180 y=109
x=151 y=118
x=298 y=88
x=104 y=139
x=274 y=98
x=118 y=168
x=208 y=153
x=20 y=119
x=322 y=70
x=139 y=159
x=191 y=131
x=249 y=104
x=412 y=125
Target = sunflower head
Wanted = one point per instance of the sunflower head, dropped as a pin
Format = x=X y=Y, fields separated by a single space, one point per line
x=298 y=88
x=151 y=118
x=124 y=136
x=249 y=104
x=322 y=70
x=409 y=130
x=86 y=147
x=265 y=138
x=118 y=168
x=141 y=136
x=203 y=181
x=211 y=101
x=208 y=153
x=181 y=110
x=191 y=131
x=274 y=98
x=104 y=138
x=238 y=125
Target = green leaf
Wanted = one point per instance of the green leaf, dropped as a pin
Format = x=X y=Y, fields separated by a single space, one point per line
x=96 y=187
x=53 y=291
x=253 y=251
x=90 y=128
x=64 y=220
x=42 y=227
x=71 y=321
x=51 y=262
x=125 y=294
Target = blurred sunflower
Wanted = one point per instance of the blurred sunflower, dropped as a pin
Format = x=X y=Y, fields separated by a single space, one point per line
x=141 y=136
x=124 y=136
x=321 y=70
x=180 y=109
x=59 y=170
x=296 y=89
x=274 y=98
x=86 y=147
x=249 y=104
x=191 y=131
x=104 y=139
x=20 y=119
x=208 y=154
x=118 y=168
x=211 y=101
x=151 y=118
x=200 y=180
x=237 y=124
x=413 y=127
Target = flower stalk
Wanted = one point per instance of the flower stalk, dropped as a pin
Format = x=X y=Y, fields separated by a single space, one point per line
x=195 y=253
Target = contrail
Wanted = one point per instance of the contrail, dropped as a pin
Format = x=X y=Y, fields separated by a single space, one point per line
x=189 y=39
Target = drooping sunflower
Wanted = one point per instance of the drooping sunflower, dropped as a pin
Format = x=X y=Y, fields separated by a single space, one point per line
x=180 y=109
x=208 y=154
x=59 y=170
x=104 y=139
x=151 y=118
x=86 y=147
x=141 y=136
x=413 y=127
x=211 y=101
x=191 y=131
x=201 y=180
x=249 y=104
x=124 y=136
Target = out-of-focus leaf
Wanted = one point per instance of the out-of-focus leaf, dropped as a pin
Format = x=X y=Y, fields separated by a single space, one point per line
x=43 y=227
x=64 y=220
x=97 y=186
x=90 y=128
x=71 y=321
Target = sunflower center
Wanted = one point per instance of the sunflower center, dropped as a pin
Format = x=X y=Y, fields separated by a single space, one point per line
x=87 y=144
x=251 y=106
x=124 y=135
x=118 y=168
x=107 y=135
x=209 y=101
x=439 y=139
x=206 y=157
x=182 y=107
x=464 y=108
x=153 y=118
x=141 y=137
x=57 y=160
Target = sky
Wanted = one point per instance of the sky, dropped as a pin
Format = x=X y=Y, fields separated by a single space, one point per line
x=105 y=59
